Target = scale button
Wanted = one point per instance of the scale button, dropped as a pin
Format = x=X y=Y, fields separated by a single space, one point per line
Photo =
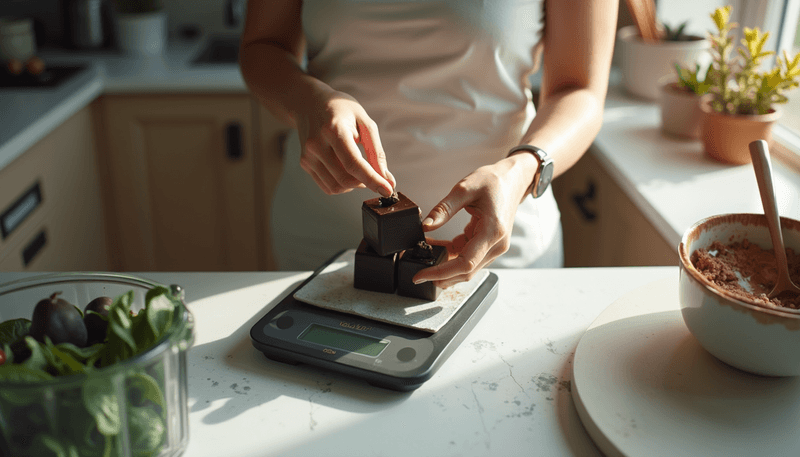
x=284 y=322
x=406 y=354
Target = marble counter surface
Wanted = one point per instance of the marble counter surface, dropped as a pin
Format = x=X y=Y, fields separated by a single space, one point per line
x=505 y=391
x=672 y=181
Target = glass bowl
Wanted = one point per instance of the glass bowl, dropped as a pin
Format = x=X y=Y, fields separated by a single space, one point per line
x=136 y=407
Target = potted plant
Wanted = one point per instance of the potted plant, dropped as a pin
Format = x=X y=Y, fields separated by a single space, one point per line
x=740 y=106
x=679 y=100
x=141 y=26
x=644 y=62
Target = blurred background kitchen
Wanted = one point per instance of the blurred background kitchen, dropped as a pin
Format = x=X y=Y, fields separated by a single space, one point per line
x=128 y=141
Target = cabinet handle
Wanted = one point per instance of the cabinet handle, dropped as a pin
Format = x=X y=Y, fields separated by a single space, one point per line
x=33 y=248
x=581 y=200
x=281 y=141
x=234 y=146
x=18 y=211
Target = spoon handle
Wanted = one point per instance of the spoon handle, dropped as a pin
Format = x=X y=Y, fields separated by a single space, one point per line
x=763 y=167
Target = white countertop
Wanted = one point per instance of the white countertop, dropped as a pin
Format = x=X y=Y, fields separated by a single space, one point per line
x=672 y=182
x=505 y=391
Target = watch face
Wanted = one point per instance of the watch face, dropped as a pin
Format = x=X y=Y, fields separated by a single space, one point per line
x=544 y=179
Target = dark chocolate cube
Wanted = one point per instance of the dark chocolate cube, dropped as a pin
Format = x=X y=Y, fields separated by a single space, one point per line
x=409 y=264
x=391 y=227
x=374 y=272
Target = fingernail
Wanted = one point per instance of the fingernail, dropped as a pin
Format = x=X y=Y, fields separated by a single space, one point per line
x=427 y=221
x=420 y=281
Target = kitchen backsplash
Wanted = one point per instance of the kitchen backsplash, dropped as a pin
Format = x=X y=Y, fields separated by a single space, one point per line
x=209 y=15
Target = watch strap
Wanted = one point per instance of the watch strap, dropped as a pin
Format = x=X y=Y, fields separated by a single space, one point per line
x=540 y=154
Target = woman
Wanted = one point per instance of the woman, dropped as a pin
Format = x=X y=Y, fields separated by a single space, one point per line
x=437 y=92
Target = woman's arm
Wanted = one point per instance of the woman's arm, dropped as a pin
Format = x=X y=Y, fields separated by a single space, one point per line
x=329 y=123
x=578 y=45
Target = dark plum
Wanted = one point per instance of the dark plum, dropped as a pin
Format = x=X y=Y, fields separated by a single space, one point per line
x=96 y=327
x=59 y=320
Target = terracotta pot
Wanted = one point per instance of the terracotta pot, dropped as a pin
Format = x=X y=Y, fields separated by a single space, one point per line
x=680 y=111
x=726 y=137
x=642 y=63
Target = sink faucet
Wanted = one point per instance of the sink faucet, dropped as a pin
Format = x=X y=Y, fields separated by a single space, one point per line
x=234 y=13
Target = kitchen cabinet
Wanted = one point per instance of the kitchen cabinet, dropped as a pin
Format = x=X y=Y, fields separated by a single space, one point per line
x=190 y=177
x=602 y=226
x=50 y=203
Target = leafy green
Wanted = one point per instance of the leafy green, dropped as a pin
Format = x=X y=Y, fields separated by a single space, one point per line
x=101 y=402
x=17 y=373
x=90 y=419
x=13 y=330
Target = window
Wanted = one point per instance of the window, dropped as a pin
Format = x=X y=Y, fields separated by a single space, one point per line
x=790 y=41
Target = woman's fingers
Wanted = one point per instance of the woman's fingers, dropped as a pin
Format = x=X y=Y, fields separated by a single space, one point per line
x=330 y=132
x=355 y=166
x=369 y=137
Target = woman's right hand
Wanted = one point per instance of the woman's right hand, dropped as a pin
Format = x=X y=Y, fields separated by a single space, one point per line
x=330 y=129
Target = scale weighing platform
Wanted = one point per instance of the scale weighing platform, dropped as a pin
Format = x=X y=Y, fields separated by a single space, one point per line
x=385 y=355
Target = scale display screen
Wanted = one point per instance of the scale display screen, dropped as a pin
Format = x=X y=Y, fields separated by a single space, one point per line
x=340 y=339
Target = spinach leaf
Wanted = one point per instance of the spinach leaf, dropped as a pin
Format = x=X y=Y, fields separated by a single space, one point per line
x=46 y=445
x=100 y=399
x=19 y=372
x=159 y=311
x=120 y=343
x=80 y=354
x=13 y=330
x=147 y=431
x=68 y=363
x=38 y=359
x=142 y=389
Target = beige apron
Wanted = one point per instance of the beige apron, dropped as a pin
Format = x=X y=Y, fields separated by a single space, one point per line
x=447 y=83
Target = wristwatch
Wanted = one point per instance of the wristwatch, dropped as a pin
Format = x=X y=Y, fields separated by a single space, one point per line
x=543 y=175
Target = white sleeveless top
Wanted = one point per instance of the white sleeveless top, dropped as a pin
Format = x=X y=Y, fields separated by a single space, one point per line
x=447 y=83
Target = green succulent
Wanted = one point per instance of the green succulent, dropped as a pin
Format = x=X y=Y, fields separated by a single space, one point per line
x=737 y=85
x=676 y=33
x=138 y=6
x=689 y=80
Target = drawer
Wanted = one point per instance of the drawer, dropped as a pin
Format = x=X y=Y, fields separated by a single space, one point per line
x=54 y=186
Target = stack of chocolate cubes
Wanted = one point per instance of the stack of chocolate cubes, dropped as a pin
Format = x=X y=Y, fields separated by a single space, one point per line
x=394 y=249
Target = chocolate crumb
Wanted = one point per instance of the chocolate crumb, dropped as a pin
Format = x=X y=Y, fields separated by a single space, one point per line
x=388 y=201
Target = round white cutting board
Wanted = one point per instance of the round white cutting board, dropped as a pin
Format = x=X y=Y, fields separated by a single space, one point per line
x=643 y=386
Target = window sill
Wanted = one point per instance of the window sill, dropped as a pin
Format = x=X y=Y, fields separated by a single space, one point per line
x=671 y=181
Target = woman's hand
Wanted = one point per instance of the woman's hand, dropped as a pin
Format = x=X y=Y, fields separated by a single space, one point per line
x=330 y=130
x=491 y=195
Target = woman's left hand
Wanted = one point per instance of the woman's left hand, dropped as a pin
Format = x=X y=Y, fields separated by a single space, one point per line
x=491 y=195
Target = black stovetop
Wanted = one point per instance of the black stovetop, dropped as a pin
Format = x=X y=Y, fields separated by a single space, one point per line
x=52 y=77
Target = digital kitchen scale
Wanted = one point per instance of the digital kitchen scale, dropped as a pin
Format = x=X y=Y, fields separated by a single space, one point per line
x=385 y=355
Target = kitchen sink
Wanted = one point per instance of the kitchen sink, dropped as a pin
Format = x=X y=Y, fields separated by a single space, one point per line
x=218 y=50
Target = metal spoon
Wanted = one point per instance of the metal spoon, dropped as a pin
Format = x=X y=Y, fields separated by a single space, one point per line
x=763 y=167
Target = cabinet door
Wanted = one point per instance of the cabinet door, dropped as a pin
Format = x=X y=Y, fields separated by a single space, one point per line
x=51 y=195
x=602 y=226
x=181 y=170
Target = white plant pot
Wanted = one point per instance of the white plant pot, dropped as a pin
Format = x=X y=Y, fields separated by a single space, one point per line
x=143 y=34
x=642 y=63
x=681 y=115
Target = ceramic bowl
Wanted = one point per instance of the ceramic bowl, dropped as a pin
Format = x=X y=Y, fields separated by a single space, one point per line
x=752 y=338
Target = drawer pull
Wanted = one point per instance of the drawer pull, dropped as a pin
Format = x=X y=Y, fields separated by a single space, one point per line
x=233 y=141
x=583 y=200
x=33 y=248
x=18 y=211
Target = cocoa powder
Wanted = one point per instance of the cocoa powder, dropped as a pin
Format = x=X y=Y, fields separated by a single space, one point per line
x=719 y=263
